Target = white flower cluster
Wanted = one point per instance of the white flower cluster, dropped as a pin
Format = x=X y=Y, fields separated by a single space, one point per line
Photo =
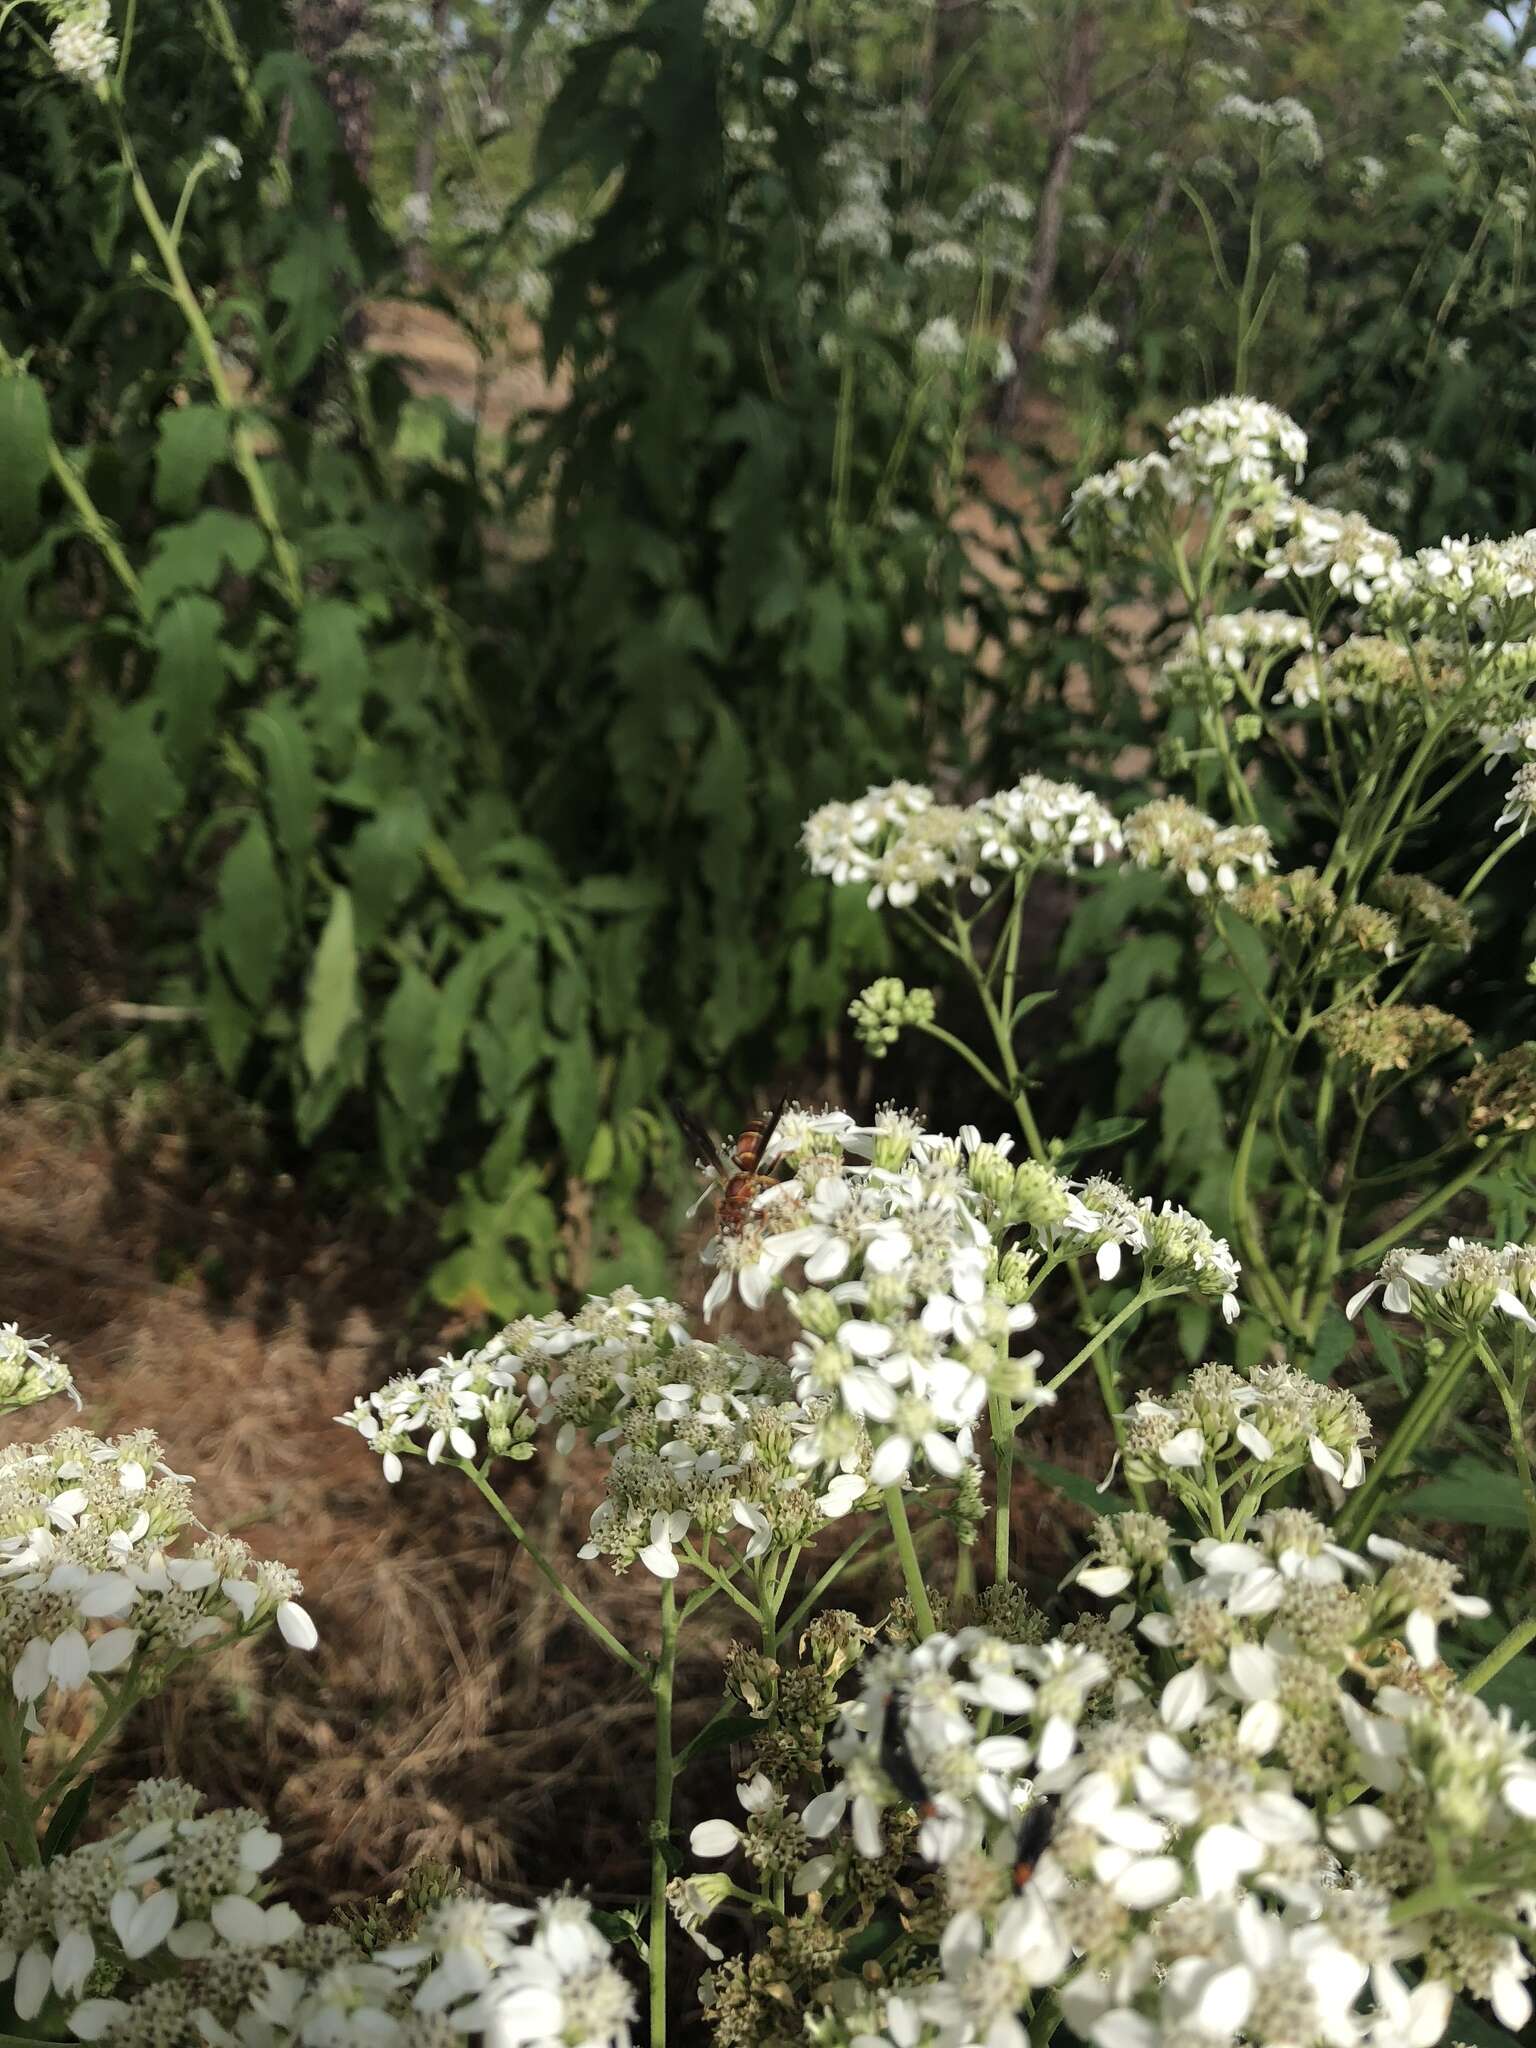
x=1459 y=1288
x=226 y=157
x=731 y=19
x=1307 y=1834
x=940 y=345
x=1292 y=126
x=1227 y=1432
x=1235 y=639
x=90 y=1582
x=1310 y=542
x=82 y=45
x=1171 y=833
x=705 y=1439
x=1083 y=340
x=1237 y=449
x=165 y=1924
x=30 y=1371
x=898 y=840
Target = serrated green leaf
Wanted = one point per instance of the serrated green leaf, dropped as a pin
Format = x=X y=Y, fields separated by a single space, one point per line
x=1134 y=969
x=331 y=652
x=1102 y=1131
x=194 y=556
x=331 y=1001
x=1384 y=1344
x=25 y=436
x=405 y=1044
x=133 y=784
x=1156 y=1035
x=190 y=675
x=193 y=440
x=250 y=927
x=1192 y=1115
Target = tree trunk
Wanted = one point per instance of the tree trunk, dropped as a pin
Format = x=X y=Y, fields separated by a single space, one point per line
x=1083 y=41
x=418 y=255
x=325 y=28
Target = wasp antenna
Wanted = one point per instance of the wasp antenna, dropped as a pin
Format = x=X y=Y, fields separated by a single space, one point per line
x=773 y=1123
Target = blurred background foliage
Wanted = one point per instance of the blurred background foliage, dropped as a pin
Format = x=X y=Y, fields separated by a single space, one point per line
x=429 y=764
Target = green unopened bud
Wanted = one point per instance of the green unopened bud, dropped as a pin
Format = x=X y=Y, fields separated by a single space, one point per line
x=1247 y=727
x=816 y=1311
x=1039 y=1195
x=1015 y=1272
x=881 y=1012
x=888 y=1296
x=993 y=1174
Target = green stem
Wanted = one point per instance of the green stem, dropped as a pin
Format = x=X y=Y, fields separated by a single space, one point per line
x=1418 y=1419
x=917 y=1592
x=661 y=1818
x=1368 y=1254
x=122 y=1704
x=1101 y=1337
x=1002 y=1506
x=578 y=1607
x=828 y=1578
x=702 y=1564
x=1512 y=1397
x=242 y=443
x=972 y=1059
x=1482 y=1674
x=20 y=1818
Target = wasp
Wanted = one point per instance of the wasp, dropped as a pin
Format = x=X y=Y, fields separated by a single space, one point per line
x=896 y=1759
x=1034 y=1838
x=738 y=1176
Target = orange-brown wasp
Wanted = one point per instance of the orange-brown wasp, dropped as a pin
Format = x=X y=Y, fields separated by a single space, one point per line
x=739 y=1180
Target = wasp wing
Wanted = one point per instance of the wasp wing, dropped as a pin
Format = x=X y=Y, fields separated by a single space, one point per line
x=705 y=1151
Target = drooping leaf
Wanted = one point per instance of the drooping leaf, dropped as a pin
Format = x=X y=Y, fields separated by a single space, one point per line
x=331 y=1001
x=1335 y=1340
x=25 y=435
x=292 y=788
x=384 y=862
x=251 y=925
x=134 y=786
x=194 y=556
x=405 y=1044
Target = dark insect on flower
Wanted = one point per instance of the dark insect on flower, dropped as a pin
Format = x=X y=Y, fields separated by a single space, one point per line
x=1038 y=1826
x=738 y=1179
x=896 y=1758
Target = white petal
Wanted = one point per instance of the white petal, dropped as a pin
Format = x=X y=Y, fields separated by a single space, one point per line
x=295 y=1626
x=714 y=1838
x=1184 y=1698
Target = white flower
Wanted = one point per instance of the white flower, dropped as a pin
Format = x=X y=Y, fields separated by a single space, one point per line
x=81 y=46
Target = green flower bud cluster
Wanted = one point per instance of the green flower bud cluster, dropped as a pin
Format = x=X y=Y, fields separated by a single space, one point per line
x=887 y=1008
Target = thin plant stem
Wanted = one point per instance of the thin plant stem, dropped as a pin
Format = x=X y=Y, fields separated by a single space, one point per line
x=242 y=443
x=1434 y=1396
x=20 y=1819
x=1368 y=1254
x=829 y=1577
x=1002 y=1506
x=917 y=1592
x=1101 y=1336
x=578 y=1607
x=1482 y=1674
x=661 y=1815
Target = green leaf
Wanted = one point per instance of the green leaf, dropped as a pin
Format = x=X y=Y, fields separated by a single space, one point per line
x=1133 y=970
x=292 y=789
x=331 y=1001
x=1102 y=1131
x=68 y=1819
x=1335 y=1340
x=1468 y=1491
x=405 y=1044
x=1032 y=1001
x=1192 y=1119
x=332 y=653
x=227 y=1020
x=384 y=862
x=1471 y=2025
x=190 y=674
x=871 y=1941
x=193 y=439
x=573 y=1100
x=719 y=1734
x=1075 y=1487
x=615 y=892
x=195 y=555
x=1384 y=1344
x=133 y=783
x=25 y=434
x=1158 y=1033
x=250 y=926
